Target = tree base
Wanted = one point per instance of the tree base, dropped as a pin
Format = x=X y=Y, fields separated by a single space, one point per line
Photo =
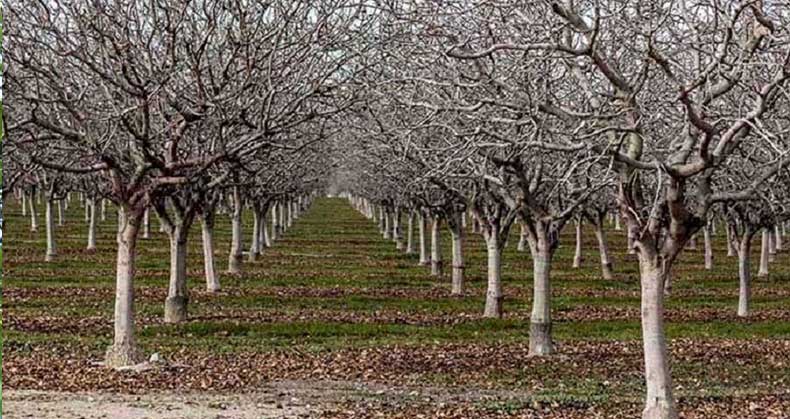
x=660 y=409
x=540 y=339
x=176 y=309
x=121 y=356
x=437 y=268
x=493 y=308
x=606 y=271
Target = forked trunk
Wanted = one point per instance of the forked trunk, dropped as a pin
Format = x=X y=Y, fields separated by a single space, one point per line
x=660 y=403
x=177 y=293
x=437 y=264
x=50 y=226
x=494 y=295
x=234 y=260
x=91 y=207
x=424 y=257
x=744 y=275
x=212 y=282
x=123 y=351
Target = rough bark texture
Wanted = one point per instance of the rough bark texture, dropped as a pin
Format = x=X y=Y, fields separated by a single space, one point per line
x=123 y=351
x=207 y=230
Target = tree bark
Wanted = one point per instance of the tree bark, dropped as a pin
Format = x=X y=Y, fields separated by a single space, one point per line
x=256 y=231
x=123 y=351
x=730 y=246
x=577 y=256
x=212 y=282
x=60 y=212
x=769 y=231
x=660 y=403
x=146 y=224
x=522 y=239
x=423 y=227
x=603 y=249
x=91 y=207
x=178 y=294
x=778 y=235
x=744 y=275
x=494 y=295
x=387 y=234
x=764 y=255
x=24 y=203
x=50 y=227
x=457 y=235
x=540 y=321
x=396 y=230
x=267 y=238
x=235 y=258
x=33 y=215
x=104 y=209
x=437 y=264
x=410 y=234
x=275 y=221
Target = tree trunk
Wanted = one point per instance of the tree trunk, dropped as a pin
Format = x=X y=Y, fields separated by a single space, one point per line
x=275 y=230
x=146 y=224
x=540 y=321
x=692 y=243
x=178 y=294
x=234 y=260
x=577 y=256
x=91 y=207
x=778 y=235
x=382 y=222
x=281 y=224
x=60 y=212
x=744 y=275
x=410 y=234
x=771 y=244
x=33 y=215
x=522 y=239
x=262 y=230
x=630 y=233
x=24 y=203
x=617 y=225
x=660 y=403
x=104 y=209
x=457 y=233
x=730 y=246
x=764 y=255
x=494 y=295
x=387 y=233
x=50 y=226
x=424 y=257
x=212 y=282
x=396 y=230
x=290 y=216
x=256 y=231
x=123 y=351
x=267 y=238
x=603 y=249
x=437 y=264
x=708 y=248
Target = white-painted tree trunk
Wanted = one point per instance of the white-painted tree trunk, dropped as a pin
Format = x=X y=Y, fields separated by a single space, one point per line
x=123 y=351
x=423 y=229
x=540 y=321
x=437 y=264
x=234 y=259
x=387 y=233
x=267 y=238
x=290 y=215
x=769 y=231
x=104 y=210
x=744 y=275
x=92 y=222
x=778 y=238
x=692 y=243
x=60 y=212
x=275 y=221
x=522 y=238
x=33 y=215
x=410 y=234
x=764 y=255
x=207 y=230
x=262 y=239
x=659 y=403
x=24 y=203
x=50 y=227
x=617 y=225
x=631 y=233
x=603 y=250
x=577 y=255
x=730 y=246
x=147 y=224
x=494 y=295
x=457 y=235
x=708 y=247
x=177 y=293
x=255 y=241
x=281 y=224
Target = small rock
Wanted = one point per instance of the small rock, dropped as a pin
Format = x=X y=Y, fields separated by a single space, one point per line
x=155 y=358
